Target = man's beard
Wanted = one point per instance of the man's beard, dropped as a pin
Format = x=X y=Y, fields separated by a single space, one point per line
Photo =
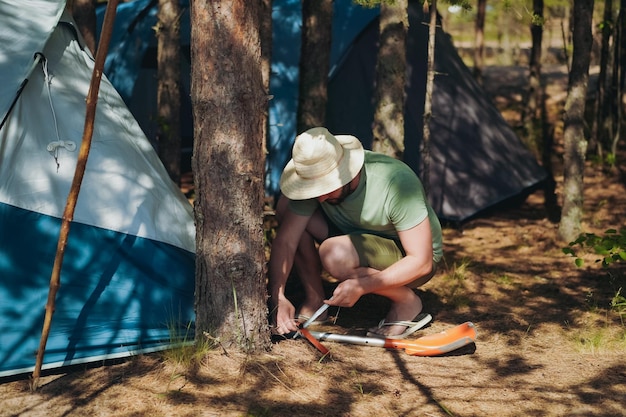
x=345 y=192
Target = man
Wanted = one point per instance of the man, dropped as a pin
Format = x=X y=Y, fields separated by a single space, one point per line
x=361 y=216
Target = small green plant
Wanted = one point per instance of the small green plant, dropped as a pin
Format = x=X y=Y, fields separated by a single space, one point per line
x=611 y=247
x=618 y=304
x=454 y=290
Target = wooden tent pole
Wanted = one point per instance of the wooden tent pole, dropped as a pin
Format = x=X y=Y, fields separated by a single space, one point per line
x=70 y=206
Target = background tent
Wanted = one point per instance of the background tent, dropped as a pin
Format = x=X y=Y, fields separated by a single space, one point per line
x=127 y=281
x=477 y=160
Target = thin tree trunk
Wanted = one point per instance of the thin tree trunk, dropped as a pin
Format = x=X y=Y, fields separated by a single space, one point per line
x=618 y=75
x=565 y=27
x=265 y=20
x=430 y=82
x=228 y=159
x=317 y=17
x=84 y=13
x=168 y=86
x=479 y=40
x=601 y=130
x=531 y=116
x=575 y=145
x=389 y=92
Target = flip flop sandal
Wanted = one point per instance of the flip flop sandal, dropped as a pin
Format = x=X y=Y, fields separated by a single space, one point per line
x=417 y=323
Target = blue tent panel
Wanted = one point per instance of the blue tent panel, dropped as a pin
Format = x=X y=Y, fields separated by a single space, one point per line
x=119 y=294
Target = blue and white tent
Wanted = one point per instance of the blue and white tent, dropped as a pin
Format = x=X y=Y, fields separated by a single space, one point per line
x=127 y=281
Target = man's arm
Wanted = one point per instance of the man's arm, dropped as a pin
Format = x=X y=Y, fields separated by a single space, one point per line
x=417 y=243
x=284 y=248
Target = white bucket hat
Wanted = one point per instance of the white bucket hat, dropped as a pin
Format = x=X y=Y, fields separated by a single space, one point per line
x=320 y=164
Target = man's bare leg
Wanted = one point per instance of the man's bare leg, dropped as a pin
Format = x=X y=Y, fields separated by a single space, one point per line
x=342 y=261
x=309 y=269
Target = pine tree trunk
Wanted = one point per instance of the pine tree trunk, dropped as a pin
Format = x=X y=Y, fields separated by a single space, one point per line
x=228 y=101
x=389 y=92
x=479 y=40
x=317 y=17
x=265 y=19
x=168 y=86
x=619 y=73
x=430 y=85
x=601 y=130
x=575 y=145
x=532 y=117
x=84 y=13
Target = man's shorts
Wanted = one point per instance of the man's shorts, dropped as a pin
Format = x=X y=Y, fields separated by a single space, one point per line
x=380 y=252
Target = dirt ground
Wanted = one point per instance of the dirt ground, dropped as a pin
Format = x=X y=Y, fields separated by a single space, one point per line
x=548 y=342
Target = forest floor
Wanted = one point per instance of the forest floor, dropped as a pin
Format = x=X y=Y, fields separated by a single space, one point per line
x=549 y=343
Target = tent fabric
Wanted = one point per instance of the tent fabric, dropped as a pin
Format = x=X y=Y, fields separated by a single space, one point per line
x=477 y=160
x=23 y=36
x=127 y=281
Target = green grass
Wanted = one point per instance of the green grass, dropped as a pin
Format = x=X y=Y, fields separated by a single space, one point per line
x=601 y=339
x=454 y=289
x=185 y=352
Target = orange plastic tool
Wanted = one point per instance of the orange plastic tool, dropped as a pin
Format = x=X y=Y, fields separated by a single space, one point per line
x=430 y=345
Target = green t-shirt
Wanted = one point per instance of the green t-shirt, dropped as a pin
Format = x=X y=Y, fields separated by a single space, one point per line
x=389 y=198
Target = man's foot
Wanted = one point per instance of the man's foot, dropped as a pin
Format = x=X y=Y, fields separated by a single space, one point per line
x=411 y=327
x=405 y=312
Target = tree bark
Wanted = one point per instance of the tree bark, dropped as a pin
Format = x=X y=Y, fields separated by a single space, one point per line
x=532 y=117
x=617 y=94
x=228 y=100
x=479 y=40
x=317 y=19
x=389 y=92
x=575 y=145
x=428 y=99
x=265 y=20
x=602 y=123
x=168 y=86
x=84 y=13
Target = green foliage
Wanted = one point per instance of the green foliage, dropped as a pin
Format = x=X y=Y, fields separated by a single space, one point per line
x=611 y=247
x=465 y=4
x=537 y=20
x=611 y=159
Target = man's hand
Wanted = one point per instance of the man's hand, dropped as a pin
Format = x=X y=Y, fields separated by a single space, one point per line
x=347 y=293
x=285 y=317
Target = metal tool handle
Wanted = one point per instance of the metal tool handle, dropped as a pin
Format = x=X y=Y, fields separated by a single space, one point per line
x=315 y=315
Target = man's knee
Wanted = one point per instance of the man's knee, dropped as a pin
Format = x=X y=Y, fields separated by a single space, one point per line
x=338 y=256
